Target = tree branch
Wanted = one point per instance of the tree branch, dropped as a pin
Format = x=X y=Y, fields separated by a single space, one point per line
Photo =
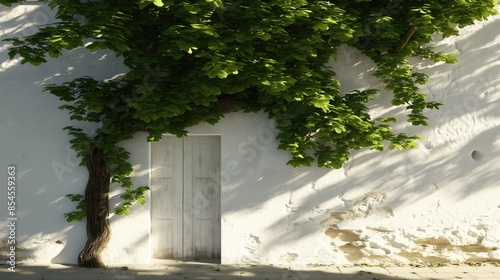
x=406 y=38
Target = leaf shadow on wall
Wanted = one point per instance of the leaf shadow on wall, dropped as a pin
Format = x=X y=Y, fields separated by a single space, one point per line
x=33 y=140
x=412 y=195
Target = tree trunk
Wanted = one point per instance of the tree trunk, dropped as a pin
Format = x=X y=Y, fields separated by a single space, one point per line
x=96 y=200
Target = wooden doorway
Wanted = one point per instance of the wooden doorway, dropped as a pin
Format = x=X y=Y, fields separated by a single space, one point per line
x=186 y=197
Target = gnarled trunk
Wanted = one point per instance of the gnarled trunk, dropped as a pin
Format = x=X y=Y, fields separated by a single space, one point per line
x=96 y=199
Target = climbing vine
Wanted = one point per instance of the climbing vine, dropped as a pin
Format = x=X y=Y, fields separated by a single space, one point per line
x=194 y=61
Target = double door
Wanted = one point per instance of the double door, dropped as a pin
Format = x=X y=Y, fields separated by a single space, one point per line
x=186 y=197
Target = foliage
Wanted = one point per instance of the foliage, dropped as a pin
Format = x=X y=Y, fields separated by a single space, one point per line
x=194 y=61
x=81 y=208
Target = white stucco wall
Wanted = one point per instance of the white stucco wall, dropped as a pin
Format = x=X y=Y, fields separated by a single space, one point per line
x=435 y=204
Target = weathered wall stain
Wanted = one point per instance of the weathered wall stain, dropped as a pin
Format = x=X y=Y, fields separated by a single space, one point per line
x=348 y=241
x=343 y=235
x=352 y=252
x=438 y=243
x=364 y=207
x=383 y=245
x=289 y=257
x=250 y=254
x=417 y=257
x=441 y=244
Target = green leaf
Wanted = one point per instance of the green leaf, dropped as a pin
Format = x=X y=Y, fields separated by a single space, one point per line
x=95 y=46
x=263 y=35
x=321 y=102
x=191 y=8
x=222 y=74
x=388 y=119
x=158 y=3
x=321 y=26
x=395 y=146
x=37 y=61
x=12 y=54
x=54 y=54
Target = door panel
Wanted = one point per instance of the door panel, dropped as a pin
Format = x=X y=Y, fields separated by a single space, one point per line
x=186 y=197
x=166 y=190
x=202 y=158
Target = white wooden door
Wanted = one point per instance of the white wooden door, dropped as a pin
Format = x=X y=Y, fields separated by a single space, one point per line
x=186 y=197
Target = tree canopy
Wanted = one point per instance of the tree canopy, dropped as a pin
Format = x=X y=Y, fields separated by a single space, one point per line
x=192 y=61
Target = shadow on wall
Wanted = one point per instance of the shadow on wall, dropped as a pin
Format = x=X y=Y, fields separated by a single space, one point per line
x=434 y=204
x=399 y=206
x=33 y=141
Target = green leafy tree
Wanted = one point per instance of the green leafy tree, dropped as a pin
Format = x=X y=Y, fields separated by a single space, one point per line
x=192 y=61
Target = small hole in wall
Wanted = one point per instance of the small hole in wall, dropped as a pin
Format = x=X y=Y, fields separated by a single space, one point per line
x=475 y=155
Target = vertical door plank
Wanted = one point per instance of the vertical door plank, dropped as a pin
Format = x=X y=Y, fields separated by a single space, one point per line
x=166 y=208
x=205 y=201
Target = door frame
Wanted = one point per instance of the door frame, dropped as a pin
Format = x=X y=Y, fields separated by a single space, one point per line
x=217 y=180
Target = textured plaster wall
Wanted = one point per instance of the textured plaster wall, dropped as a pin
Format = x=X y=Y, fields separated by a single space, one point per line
x=438 y=203
x=31 y=138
